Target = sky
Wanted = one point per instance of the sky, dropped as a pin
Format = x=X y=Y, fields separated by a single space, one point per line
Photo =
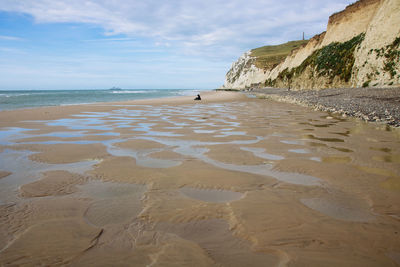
x=146 y=44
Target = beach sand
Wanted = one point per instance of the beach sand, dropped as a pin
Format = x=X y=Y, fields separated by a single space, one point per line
x=225 y=181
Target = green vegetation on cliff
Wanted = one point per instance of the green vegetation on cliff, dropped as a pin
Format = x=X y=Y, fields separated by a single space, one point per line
x=333 y=60
x=267 y=57
x=392 y=55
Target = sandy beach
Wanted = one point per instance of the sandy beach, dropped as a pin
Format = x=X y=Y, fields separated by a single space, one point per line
x=225 y=181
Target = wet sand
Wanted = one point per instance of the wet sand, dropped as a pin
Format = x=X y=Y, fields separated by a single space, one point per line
x=226 y=181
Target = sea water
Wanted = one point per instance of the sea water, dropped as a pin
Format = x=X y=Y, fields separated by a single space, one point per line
x=35 y=98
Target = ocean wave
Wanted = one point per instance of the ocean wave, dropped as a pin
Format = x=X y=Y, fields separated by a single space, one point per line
x=188 y=92
x=21 y=99
x=12 y=95
x=132 y=91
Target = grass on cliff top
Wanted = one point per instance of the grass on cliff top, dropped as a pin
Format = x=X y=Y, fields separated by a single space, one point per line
x=271 y=55
x=334 y=60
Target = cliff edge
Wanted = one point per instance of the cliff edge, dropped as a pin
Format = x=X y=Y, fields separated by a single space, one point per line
x=360 y=48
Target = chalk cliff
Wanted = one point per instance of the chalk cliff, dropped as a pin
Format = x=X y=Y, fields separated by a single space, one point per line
x=244 y=73
x=361 y=47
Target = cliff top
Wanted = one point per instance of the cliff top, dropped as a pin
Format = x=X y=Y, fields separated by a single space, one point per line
x=269 y=56
x=352 y=8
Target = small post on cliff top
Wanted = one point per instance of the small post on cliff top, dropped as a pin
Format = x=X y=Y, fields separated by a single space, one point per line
x=303 y=36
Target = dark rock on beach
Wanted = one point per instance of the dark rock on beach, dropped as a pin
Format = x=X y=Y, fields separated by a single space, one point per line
x=369 y=104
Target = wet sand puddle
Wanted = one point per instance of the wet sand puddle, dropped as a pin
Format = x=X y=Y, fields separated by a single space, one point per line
x=260 y=152
x=142 y=156
x=307 y=181
x=7 y=135
x=194 y=149
x=25 y=171
x=211 y=195
x=340 y=209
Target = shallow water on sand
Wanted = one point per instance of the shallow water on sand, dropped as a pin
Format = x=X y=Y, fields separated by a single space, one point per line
x=210 y=195
x=225 y=184
x=25 y=171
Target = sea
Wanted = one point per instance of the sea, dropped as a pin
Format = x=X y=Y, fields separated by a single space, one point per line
x=17 y=99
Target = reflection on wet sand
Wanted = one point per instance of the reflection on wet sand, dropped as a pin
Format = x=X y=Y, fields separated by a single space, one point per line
x=198 y=183
x=210 y=195
x=339 y=209
x=25 y=171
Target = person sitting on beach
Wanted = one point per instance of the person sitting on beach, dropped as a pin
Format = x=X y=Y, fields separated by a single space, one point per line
x=198 y=97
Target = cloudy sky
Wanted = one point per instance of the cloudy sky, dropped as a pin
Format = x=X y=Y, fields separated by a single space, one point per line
x=85 y=44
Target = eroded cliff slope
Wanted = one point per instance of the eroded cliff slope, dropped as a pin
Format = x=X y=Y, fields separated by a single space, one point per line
x=361 y=47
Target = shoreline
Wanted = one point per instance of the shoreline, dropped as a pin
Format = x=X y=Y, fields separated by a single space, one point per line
x=380 y=105
x=17 y=116
x=147 y=98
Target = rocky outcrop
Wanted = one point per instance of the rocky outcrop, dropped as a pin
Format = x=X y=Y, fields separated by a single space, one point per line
x=244 y=73
x=360 y=48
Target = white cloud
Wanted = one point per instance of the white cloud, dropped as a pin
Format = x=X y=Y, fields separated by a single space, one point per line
x=206 y=22
x=207 y=28
x=122 y=39
x=11 y=50
x=10 y=38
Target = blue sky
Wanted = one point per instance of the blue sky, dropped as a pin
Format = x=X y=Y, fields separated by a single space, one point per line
x=76 y=44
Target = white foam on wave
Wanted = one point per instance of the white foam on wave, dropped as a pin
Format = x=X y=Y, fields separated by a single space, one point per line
x=188 y=92
x=11 y=95
x=133 y=92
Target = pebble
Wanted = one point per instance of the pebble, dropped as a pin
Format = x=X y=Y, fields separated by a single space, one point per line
x=369 y=104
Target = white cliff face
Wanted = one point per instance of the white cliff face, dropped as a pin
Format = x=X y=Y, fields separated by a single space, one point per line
x=350 y=22
x=379 y=20
x=244 y=73
x=371 y=58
